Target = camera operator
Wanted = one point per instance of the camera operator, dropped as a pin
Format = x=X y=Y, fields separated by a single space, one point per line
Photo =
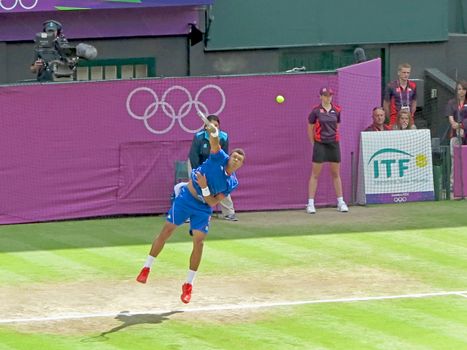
x=55 y=59
x=40 y=66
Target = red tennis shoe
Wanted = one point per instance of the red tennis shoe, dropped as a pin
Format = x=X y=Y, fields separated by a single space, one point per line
x=143 y=275
x=186 y=293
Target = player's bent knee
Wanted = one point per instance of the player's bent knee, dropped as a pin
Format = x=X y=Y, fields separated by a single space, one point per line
x=198 y=236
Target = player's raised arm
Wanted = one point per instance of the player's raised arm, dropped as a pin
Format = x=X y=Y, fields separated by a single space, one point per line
x=213 y=138
x=213 y=133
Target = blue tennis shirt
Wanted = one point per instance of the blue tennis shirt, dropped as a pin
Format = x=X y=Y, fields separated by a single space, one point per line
x=214 y=170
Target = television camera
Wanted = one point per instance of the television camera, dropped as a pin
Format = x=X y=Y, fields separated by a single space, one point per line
x=59 y=56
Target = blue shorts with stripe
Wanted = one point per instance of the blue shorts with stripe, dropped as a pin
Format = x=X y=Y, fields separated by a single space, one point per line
x=186 y=206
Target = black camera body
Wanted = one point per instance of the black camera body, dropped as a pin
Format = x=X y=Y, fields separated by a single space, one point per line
x=58 y=55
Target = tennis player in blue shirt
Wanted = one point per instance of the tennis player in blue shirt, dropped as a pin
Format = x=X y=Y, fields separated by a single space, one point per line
x=209 y=184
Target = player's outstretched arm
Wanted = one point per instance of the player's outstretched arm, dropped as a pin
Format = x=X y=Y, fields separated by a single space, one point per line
x=211 y=200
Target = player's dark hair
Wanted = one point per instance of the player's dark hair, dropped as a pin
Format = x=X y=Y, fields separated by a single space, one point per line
x=213 y=117
x=239 y=151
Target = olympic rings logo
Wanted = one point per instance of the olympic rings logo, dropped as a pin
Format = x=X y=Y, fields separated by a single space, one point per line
x=399 y=199
x=168 y=109
x=16 y=3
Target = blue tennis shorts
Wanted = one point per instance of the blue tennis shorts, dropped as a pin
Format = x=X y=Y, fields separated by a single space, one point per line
x=186 y=206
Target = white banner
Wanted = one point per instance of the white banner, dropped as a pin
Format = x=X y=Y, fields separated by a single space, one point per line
x=395 y=167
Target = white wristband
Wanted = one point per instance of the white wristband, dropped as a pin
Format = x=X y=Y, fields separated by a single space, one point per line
x=215 y=133
x=205 y=191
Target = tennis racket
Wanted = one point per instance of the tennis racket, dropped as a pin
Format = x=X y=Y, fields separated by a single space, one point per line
x=210 y=127
x=204 y=119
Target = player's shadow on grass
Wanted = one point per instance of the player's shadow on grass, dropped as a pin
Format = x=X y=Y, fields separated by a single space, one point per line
x=128 y=320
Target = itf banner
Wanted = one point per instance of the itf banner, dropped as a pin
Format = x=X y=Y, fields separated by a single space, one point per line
x=395 y=167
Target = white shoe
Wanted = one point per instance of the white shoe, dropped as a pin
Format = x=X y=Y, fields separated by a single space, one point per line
x=310 y=209
x=342 y=207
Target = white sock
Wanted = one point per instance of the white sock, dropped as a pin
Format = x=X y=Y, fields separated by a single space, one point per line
x=311 y=201
x=149 y=261
x=340 y=200
x=190 y=276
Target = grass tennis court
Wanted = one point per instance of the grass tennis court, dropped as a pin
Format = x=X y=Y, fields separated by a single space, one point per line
x=379 y=277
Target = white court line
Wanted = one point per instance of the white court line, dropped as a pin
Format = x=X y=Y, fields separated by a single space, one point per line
x=76 y=316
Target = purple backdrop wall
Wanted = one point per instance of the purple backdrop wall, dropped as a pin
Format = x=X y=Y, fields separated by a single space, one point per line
x=87 y=149
x=359 y=92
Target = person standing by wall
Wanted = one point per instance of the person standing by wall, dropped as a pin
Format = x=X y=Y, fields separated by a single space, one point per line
x=323 y=123
x=199 y=152
x=400 y=94
x=456 y=112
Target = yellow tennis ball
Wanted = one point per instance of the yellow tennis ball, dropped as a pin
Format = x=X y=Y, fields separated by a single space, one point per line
x=421 y=161
x=280 y=99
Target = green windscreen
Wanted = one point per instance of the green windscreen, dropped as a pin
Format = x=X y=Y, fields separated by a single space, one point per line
x=243 y=24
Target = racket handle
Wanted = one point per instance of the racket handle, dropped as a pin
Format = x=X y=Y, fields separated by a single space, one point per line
x=203 y=118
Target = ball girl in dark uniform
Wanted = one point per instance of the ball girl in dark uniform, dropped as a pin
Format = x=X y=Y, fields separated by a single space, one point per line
x=323 y=133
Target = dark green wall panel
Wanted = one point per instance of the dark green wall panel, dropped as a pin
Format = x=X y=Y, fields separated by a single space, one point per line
x=457 y=16
x=240 y=24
